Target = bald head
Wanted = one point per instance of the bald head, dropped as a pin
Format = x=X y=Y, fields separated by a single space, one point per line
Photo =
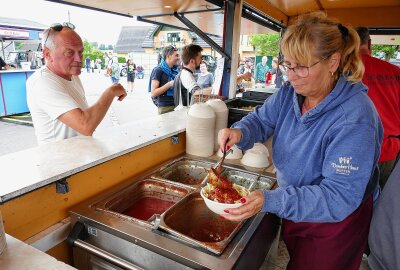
x=53 y=37
x=63 y=52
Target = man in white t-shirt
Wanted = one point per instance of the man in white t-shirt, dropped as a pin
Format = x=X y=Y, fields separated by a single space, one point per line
x=185 y=85
x=55 y=95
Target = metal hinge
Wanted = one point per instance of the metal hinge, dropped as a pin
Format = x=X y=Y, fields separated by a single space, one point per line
x=175 y=139
x=62 y=186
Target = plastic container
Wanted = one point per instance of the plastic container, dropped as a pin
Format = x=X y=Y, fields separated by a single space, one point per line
x=256 y=95
x=239 y=108
x=26 y=65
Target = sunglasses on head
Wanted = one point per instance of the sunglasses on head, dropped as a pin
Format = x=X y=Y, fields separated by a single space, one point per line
x=58 y=27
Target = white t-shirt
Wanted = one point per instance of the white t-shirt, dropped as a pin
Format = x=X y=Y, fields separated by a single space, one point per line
x=188 y=81
x=188 y=86
x=49 y=96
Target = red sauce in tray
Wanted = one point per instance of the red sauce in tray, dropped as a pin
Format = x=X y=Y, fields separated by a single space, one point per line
x=145 y=207
x=185 y=178
x=211 y=230
x=188 y=180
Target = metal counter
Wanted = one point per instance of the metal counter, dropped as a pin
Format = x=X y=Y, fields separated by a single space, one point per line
x=109 y=240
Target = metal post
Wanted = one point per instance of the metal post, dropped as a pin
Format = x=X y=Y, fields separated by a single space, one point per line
x=2 y=50
x=233 y=14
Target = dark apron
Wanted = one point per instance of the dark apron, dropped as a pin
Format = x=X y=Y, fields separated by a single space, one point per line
x=328 y=246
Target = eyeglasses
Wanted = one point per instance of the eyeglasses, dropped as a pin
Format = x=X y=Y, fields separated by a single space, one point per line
x=301 y=71
x=58 y=27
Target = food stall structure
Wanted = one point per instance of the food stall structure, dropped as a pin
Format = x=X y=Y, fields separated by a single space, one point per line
x=232 y=18
x=82 y=176
x=13 y=81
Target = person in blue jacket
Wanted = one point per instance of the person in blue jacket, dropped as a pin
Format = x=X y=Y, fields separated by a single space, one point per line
x=326 y=144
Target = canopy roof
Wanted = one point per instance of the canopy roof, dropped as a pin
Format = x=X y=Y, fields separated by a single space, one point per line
x=209 y=15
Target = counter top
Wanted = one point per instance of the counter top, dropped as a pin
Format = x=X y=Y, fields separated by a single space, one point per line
x=33 y=168
x=17 y=70
x=19 y=255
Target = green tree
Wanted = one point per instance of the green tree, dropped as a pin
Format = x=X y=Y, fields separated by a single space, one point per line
x=102 y=47
x=110 y=47
x=95 y=44
x=87 y=47
x=18 y=45
x=265 y=44
x=389 y=50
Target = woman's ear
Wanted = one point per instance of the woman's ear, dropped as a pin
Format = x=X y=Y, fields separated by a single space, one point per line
x=334 y=62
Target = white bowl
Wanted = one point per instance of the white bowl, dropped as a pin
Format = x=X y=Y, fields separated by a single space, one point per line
x=255 y=158
x=259 y=147
x=218 y=207
x=236 y=153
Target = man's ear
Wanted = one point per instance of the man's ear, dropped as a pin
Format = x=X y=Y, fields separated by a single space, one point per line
x=334 y=62
x=47 y=54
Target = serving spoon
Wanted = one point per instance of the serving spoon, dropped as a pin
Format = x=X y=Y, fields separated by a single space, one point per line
x=218 y=166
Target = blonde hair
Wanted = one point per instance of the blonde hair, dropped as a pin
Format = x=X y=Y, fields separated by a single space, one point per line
x=316 y=35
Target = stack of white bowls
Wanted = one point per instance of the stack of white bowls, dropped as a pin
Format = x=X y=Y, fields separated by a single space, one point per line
x=221 y=118
x=200 y=129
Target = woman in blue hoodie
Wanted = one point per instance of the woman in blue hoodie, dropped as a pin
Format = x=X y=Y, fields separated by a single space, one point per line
x=327 y=136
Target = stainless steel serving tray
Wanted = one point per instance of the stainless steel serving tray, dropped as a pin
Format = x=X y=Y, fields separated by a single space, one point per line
x=193 y=173
x=192 y=221
x=250 y=181
x=173 y=239
x=119 y=203
x=185 y=171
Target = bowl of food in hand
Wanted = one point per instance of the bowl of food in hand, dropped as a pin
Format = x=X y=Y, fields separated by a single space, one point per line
x=220 y=193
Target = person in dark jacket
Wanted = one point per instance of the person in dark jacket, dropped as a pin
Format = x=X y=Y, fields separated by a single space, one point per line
x=384 y=237
x=3 y=64
x=131 y=68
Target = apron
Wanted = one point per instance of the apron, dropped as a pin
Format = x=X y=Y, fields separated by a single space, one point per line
x=328 y=246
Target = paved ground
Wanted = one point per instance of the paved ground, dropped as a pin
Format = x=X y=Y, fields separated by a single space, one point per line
x=137 y=105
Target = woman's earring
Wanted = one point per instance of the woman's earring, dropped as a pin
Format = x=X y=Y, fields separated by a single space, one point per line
x=332 y=73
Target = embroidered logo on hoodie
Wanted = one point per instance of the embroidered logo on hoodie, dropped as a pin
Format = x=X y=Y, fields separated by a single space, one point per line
x=344 y=167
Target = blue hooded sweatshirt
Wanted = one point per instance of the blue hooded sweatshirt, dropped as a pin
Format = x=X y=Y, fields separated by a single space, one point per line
x=325 y=158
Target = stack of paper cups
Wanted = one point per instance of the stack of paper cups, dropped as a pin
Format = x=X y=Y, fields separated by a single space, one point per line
x=2 y=236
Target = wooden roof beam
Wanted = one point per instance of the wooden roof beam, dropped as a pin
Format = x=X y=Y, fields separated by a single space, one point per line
x=268 y=9
x=384 y=17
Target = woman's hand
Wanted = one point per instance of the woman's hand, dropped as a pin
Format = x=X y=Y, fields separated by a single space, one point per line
x=228 y=137
x=252 y=204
